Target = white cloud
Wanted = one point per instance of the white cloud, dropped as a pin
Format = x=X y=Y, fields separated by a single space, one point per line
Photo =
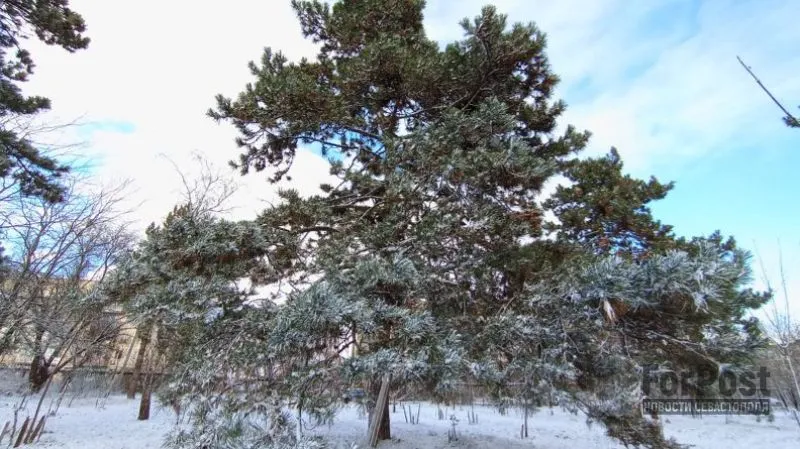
x=664 y=96
x=694 y=98
x=663 y=82
x=158 y=65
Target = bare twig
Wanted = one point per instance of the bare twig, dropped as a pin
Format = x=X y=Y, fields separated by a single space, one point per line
x=789 y=117
x=210 y=191
x=51 y=305
x=785 y=335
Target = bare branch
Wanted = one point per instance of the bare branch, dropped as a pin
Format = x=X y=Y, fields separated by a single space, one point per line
x=790 y=119
x=51 y=305
x=209 y=191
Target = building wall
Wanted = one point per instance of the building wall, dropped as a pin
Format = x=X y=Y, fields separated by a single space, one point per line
x=126 y=343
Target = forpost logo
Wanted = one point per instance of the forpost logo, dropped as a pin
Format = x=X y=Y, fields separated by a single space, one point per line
x=740 y=391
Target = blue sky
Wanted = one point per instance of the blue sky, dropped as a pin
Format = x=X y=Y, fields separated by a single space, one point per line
x=658 y=79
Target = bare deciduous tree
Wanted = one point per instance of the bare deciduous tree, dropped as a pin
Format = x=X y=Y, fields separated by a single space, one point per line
x=51 y=308
x=209 y=191
x=783 y=355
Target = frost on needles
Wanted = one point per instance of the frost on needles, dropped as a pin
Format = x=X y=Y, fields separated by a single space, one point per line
x=431 y=259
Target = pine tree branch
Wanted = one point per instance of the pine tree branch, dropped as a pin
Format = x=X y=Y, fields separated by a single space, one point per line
x=306 y=230
x=792 y=120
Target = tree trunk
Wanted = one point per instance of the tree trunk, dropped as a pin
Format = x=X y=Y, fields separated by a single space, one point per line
x=38 y=374
x=384 y=428
x=144 y=405
x=525 y=431
x=137 y=366
x=147 y=389
x=148 y=381
x=384 y=431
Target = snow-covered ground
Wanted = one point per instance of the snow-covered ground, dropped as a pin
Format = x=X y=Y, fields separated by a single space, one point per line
x=83 y=425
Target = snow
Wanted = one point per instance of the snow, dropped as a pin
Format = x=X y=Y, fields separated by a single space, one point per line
x=83 y=425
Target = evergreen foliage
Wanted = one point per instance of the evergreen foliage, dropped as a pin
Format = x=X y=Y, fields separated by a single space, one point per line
x=429 y=258
x=791 y=122
x=608 y=210
x=54 y=23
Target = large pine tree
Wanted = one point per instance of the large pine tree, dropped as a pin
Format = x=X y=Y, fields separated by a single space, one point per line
x=430 y=255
